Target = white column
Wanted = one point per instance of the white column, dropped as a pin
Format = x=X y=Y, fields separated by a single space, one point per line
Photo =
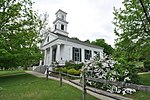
x=58 y=53
x=82 y=55
x=92 y=54
x=101 y=55
x=50 y=55
x=45 y=56
x=70 y=53
x=40 y=63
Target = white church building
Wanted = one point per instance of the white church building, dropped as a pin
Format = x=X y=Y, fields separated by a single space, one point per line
x=58 y=47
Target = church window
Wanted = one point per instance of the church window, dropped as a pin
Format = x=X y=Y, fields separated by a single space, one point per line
x=48 y=39
x=76 y=54
x=87 y=54
x=62 y=27
x=55 y=26
x=97 y=53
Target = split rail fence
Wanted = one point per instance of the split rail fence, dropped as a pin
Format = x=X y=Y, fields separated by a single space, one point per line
x=84 y=78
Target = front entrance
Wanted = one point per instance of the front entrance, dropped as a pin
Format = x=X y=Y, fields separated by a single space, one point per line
x=54 y=54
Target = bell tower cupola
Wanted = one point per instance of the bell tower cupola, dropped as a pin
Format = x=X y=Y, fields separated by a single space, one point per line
x=60 y=24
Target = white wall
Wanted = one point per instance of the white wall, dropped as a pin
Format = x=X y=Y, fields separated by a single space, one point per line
x=66 y=49
x=67 y=53
x=51 y=38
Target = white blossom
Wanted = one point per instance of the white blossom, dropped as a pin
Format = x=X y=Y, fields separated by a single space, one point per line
x=106 y=71
x=127 y=79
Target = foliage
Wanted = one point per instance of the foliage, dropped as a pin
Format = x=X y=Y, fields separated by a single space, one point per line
x=73 y=71
x=87 y=41
x=147 y=65
x=132 y=28
x=75 y=38
x=70 y=70
x=26 y=87
x=64 y=70
x=109 y=69
x=19 y=34
x=45 y=28
x=107 y=48
x=72 y=64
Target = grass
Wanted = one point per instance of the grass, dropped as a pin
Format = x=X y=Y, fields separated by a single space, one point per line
x=139 y=63
x=142 y=95
x=10 y=72
x=145 y=79
x=28 y=87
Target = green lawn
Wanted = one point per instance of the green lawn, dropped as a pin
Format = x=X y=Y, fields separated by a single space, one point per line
x=28 y=87
x=145 y=79
x=10 y=72
x=141 y=95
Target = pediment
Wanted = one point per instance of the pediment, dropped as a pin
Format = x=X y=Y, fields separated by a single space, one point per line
x=49 y=38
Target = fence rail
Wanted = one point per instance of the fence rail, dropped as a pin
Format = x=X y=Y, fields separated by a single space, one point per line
x=122 y=84
x=116 y=83
x=73 y=76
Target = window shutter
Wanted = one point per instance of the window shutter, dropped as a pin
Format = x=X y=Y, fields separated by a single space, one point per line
x=73 y=54
x=80 y=55
x=90 y=54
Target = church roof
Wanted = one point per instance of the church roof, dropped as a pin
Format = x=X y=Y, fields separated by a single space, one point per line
x=66 y=38
x=60 y=20
x=60 y=11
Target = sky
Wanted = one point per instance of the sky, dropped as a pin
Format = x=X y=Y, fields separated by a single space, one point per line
x=88 y=19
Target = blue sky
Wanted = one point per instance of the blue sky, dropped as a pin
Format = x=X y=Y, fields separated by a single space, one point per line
x=88 y=19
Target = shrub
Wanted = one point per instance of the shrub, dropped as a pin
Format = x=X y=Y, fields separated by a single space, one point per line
x=147 y=65
x=64 y=70
x=72 y=71
x=69 y=63
x=72 y=64
x=109 y=69
x=141 y=69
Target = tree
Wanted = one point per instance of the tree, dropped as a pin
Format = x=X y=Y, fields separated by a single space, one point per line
x=107 y=48
x=19 y=34
x=45 y=29
x=87 y=41
x=75 y=38
x=133 y=30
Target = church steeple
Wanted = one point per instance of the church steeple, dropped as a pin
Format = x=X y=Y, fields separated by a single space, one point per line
x=60 y=24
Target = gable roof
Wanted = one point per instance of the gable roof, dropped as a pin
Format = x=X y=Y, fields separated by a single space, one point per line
x=66 y=38
x=60 y=11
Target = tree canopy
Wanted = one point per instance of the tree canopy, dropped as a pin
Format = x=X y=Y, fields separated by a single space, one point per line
x=19 y=33
x=107 y=48
x=133 y=30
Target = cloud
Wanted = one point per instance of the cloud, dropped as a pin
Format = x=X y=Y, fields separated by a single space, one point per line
x=88 y=19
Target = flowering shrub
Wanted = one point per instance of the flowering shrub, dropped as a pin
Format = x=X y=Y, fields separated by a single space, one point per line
x=109 y=69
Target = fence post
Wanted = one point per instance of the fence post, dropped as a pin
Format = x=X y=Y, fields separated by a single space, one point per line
x=60 y=76
x=47 y=73
x=83 y=86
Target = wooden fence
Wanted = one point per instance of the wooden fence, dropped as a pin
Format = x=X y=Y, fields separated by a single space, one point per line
x=116 y=83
